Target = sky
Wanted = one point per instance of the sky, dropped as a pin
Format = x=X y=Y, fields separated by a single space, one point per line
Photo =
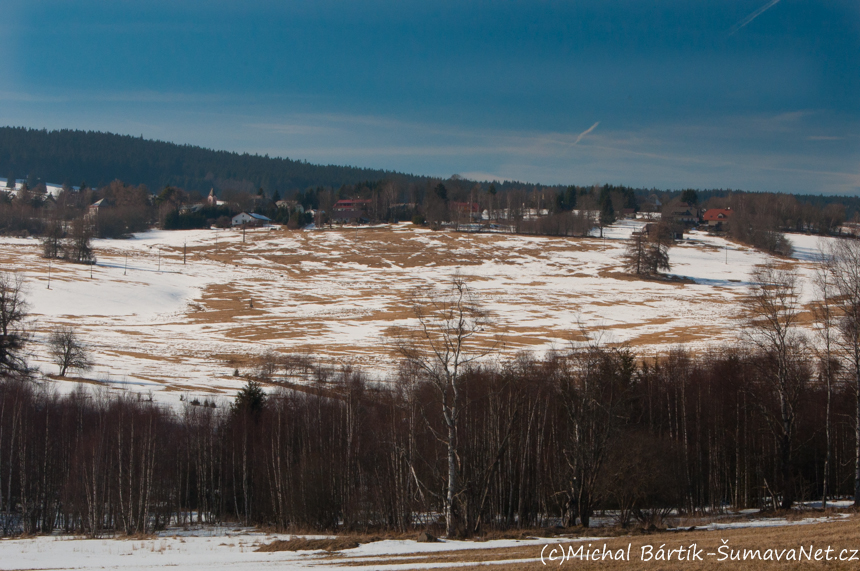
x=749 y=94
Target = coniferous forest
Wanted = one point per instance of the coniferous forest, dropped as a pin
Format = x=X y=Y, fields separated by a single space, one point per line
x=94 y=158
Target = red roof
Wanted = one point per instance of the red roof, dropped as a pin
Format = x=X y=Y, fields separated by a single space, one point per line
x=717 y=214
x=348 y=204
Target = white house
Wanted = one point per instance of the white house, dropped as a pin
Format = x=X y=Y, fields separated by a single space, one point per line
x=251 y=219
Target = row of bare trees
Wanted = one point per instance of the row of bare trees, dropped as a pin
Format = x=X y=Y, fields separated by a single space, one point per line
x=535 y=443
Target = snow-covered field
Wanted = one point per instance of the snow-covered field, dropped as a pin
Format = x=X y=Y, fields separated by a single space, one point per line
x=222 y=549
x=156 y=324
x=235 y=551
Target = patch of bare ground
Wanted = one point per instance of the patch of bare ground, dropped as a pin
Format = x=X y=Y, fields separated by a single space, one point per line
x=140 y=355
x=304 y=544
x=222 y=302
x=635 y=324
x=128 y=332
x=838 y=535
x=613 y=303
x=678 y=335
x=806 y=318
x=525 y=336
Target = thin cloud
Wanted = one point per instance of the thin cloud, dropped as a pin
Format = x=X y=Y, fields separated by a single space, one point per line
x=584 y=133
x=752 y=16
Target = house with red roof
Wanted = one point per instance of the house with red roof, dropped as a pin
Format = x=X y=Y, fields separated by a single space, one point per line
x=348 y=205
x=716 y=216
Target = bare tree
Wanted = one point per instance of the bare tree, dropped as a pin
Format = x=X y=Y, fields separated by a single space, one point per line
x=824 y=312
x=13 y=335
x=52 y=240
x=773 y=309
x=441 y=348
x=843 y=261
x=67 y=351
x=591 y=387
x=78 y=248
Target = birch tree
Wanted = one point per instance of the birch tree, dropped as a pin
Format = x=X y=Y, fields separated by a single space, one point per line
x=773 y=309
x=843 y=262
x=441 y=348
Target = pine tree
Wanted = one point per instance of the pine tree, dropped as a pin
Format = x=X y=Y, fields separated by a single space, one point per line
x=250 y=399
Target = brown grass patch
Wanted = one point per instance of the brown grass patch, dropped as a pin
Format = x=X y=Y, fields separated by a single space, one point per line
x=304 y=544
x=678 y=335
x=140 y=536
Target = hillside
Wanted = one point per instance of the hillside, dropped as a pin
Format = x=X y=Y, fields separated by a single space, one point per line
x=71 y=156
x=336 y=294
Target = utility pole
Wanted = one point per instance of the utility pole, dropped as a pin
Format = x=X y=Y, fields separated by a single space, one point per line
x=471 y=202
x=125 y=269
x=159 y=259
x=184 y=251
x=49 y=274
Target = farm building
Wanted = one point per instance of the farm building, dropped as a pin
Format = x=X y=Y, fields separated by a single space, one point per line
x=251 y=219
x=350 y=206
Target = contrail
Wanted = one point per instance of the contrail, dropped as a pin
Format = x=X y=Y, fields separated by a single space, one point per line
x=752 y=16
x=589 y=130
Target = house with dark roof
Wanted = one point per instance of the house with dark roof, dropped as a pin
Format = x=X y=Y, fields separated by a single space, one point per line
x=251 y=219
x=681 y=212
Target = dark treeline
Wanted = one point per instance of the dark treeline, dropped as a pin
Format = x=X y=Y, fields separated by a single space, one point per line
x=70 y=156
x=169 y=183
x=541 y=442
x=95 y=159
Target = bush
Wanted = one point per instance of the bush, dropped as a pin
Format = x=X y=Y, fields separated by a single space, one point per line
x=418 y=220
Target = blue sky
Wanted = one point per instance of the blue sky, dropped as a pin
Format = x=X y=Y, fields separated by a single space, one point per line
x=759 y=95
